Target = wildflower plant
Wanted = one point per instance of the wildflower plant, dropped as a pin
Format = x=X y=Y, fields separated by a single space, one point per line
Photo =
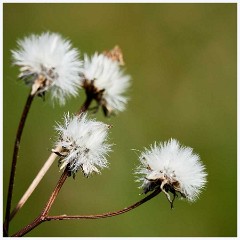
x=49 y=63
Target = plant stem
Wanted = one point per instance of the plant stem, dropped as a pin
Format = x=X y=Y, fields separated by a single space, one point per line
x=105 y=215
x=85 y=105
x=56 y=191
x=36 y=181
x=45 y=167
x=44 y=218
x=14 y=159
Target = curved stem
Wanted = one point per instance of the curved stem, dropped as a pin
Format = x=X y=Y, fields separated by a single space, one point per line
x=14 y=159
x=105 y=215
x=43 y=218
x=45 y=168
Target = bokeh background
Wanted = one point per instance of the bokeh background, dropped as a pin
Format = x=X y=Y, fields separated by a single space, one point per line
x=182 y=59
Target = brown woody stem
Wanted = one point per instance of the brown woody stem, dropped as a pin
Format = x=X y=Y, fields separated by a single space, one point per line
x=45 y=168
x=14 y=160
x=44 y=218
x=105 y=215
x=85 y=105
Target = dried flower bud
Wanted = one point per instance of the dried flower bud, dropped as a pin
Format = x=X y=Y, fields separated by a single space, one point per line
x=115 y=54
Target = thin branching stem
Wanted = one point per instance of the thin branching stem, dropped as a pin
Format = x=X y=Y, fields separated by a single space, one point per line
x=45 y=211
x=56 y=191
x=45 y=167
x=43 y=218
x=36 y=181
x=14 y=159
x=105 y=215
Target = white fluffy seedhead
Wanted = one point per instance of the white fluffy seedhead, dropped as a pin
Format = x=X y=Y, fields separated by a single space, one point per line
x=84 y=144
x=105 y=80
x=173 y=168
x=48 y=62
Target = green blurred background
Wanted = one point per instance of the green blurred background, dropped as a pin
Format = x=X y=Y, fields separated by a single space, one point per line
x=182 y=59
